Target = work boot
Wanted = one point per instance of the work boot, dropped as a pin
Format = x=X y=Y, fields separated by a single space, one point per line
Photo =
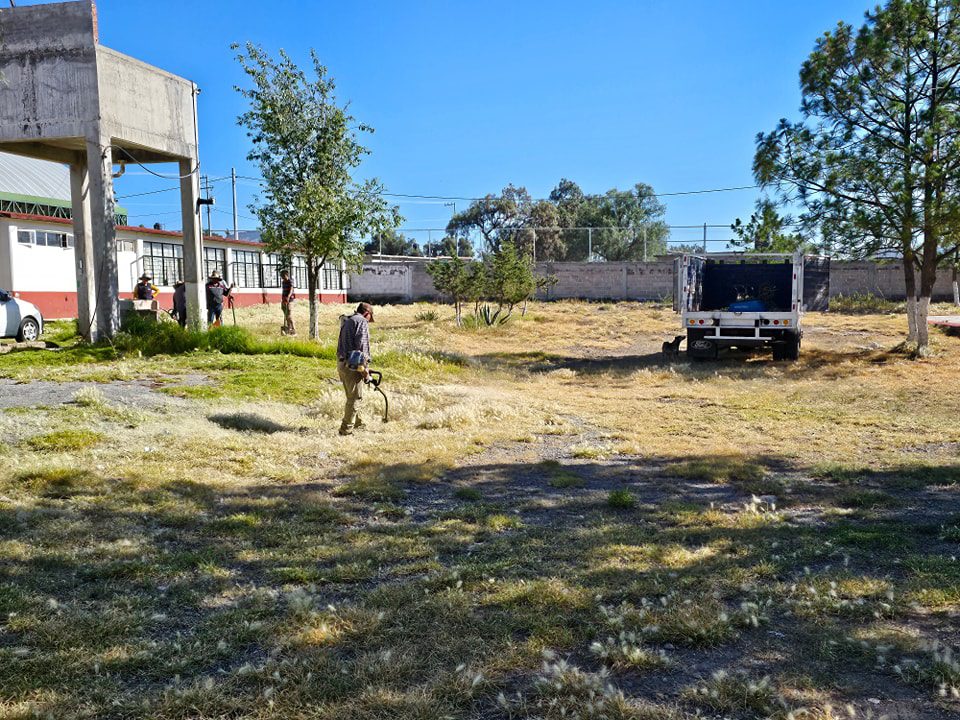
x=346 y=431
x=358 y=423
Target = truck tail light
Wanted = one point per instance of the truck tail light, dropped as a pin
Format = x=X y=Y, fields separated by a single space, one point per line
x=701 y=322
x=786 y=322
x=776 y=322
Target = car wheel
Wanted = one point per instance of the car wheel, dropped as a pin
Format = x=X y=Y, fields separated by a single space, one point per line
x=29 y=330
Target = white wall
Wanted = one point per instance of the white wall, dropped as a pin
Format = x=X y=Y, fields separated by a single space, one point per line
x=42 y=268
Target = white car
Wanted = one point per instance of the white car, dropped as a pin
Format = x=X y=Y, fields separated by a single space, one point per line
x=19 y=318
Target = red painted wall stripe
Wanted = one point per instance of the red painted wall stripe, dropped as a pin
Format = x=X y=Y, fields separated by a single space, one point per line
x=63 y=305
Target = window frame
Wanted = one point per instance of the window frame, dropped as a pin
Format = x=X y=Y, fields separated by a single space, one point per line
x=163 y=267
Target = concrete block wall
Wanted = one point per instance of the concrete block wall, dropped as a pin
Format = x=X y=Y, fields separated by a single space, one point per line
x=408 y=281
x=885 y=280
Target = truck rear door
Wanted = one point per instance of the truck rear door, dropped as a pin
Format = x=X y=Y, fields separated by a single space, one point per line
x=816 y=283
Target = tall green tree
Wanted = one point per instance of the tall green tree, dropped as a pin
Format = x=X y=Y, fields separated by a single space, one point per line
x=875 y=158
x=497 y=218
x=307 y=148
x=391 y=242
x=767 y=231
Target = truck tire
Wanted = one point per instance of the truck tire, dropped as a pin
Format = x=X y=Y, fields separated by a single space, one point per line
x=791 y=349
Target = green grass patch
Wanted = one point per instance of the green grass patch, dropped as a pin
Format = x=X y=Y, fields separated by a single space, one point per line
x=865 y=304
x=146 y=337
x=468 y=493
x=899 y=477
x=58 y=482
x=720 y=470
x=64 y=440
x=621 y=499
x=861 y=498
x=559 y=476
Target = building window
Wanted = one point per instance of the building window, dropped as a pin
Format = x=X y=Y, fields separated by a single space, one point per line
x=163 y=262
x=272 y=265
x=215 y=259
x=332 y=279
x=41 y=238
x=298 y=272
x=246 y=269
x=125 y=246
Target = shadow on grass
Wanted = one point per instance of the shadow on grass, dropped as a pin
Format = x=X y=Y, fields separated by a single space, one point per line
x=196 y=597
x=248 y=422
x=743 y=364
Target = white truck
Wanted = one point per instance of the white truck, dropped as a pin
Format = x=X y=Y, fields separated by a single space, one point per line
x=748 y=300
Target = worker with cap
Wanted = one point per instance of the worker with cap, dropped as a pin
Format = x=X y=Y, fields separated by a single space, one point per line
x=354 y=338
x=217 y=290
x=145 y=290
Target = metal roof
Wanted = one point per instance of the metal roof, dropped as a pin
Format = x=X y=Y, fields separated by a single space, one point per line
x=34 y=178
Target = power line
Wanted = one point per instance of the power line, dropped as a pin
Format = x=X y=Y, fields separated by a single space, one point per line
x=463 y=197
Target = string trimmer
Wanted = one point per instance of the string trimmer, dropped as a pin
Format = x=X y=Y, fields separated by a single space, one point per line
x=356 y=361
x=374 y=378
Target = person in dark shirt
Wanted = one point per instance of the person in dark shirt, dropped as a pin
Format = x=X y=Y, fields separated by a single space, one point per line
x=145 y=290
x=180 y=302
x=217 y=290
x=287 y=296
x=354 y=336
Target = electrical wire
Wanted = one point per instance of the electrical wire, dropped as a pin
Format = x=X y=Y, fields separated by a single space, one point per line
x=126 y=152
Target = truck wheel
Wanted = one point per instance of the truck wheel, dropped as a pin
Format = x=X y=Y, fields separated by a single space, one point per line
x=29 y=330
x=791 y=348
x=778 y=351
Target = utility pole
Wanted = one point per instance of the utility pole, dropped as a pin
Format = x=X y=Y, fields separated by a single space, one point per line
x=207 y=187
x=456 y=241
x=589 y=244
x=644 y=228
x=233 y=182
x=704 y=237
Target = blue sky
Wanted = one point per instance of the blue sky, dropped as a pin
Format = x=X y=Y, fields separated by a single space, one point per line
x=467 y=97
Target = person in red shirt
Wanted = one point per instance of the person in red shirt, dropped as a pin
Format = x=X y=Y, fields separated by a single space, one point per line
x=287 y=296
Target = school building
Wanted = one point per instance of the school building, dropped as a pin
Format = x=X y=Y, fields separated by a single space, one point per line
x=37 y=256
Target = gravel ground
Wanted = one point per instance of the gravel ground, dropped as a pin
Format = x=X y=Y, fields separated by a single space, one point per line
x=47 y=394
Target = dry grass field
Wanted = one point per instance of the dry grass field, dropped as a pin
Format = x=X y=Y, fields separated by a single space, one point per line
x=556 y=522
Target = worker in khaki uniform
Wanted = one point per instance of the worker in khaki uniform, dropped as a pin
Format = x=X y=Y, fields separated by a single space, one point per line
x=354 y=336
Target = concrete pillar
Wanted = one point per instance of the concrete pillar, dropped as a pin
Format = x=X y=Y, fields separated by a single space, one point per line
x=228 y=266
x=7 y=263
x=83 y=247
x=192 y=245
x=103 y=268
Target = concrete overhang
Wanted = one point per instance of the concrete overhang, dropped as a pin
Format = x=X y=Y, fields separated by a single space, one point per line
x=60 y=88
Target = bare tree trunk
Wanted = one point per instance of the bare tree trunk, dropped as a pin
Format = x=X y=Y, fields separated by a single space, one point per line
x=910 y=281
x=956 y=287
x=928 y=278
x=313 y=271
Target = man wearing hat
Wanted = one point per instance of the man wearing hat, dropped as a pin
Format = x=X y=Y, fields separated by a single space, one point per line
x=354 y=336
x=217 y=290
x=145 y=290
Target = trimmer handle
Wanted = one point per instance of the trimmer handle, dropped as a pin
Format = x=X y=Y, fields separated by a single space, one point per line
x=374 y=377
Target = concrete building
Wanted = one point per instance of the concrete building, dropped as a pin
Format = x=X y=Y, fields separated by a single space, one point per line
x=67 y=98
x=38 y=249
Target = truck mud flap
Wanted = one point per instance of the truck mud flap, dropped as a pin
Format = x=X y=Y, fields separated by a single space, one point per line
x=700 y=347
